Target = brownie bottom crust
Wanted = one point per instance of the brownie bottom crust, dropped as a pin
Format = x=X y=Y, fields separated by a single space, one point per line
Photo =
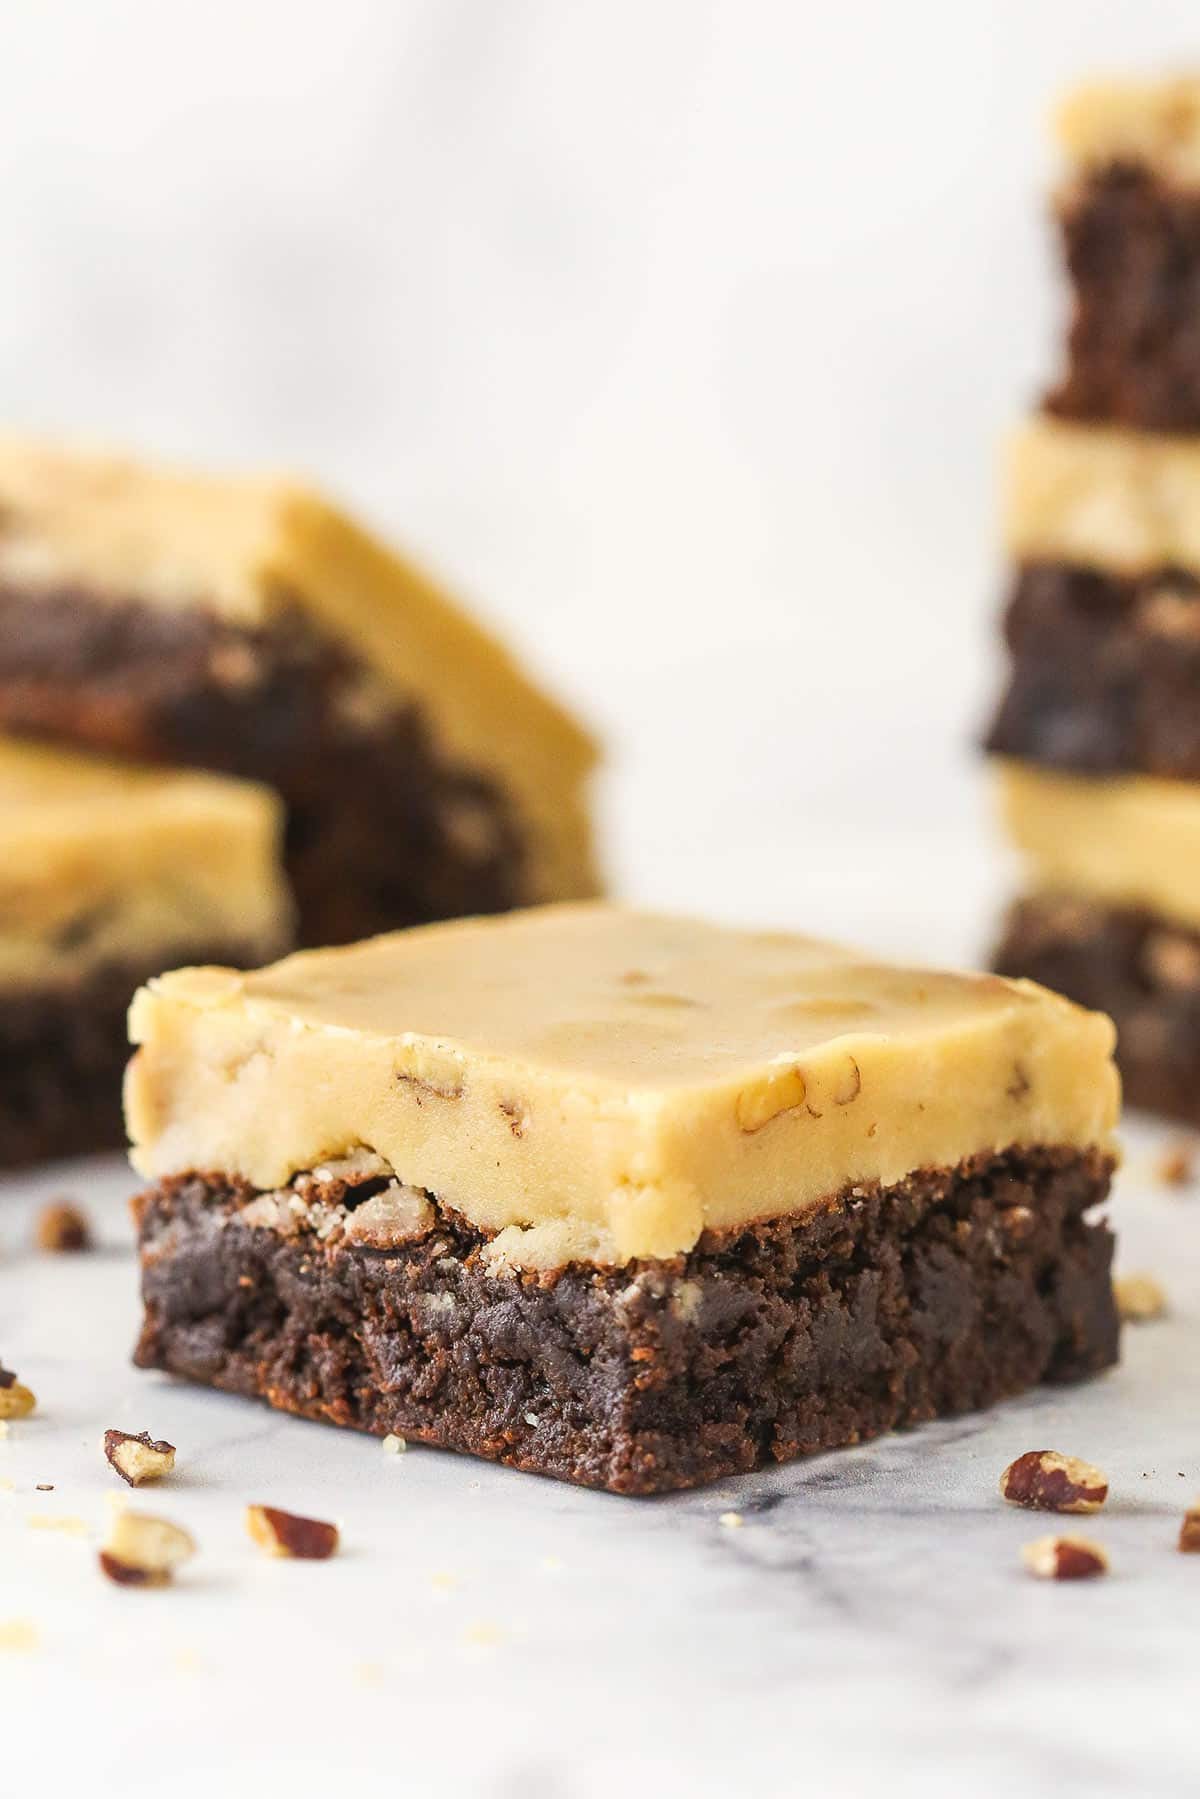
x=888 y=1307
x=1131 y=963
x=63 y=1050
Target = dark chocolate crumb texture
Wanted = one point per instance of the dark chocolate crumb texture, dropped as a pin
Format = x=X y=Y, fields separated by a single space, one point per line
x=246 y=627
x=1136 y=965
x=887 y=1307
x=1129 y=211
x=626 y=1200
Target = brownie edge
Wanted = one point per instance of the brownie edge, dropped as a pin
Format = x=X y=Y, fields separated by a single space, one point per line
x=887 y=1307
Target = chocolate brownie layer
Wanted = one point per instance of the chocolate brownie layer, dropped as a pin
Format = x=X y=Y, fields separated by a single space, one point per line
x=382 y=831
x=887 y=1307
x=1105 y=672
x=63 y=1050
x=1132 y=246
x=1130 y=963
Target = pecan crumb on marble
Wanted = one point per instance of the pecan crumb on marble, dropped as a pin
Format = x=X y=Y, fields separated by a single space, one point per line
x=1189 y=1530
x=1139 y=1298
x=1064 y=1558
x=138 y=1459
x=63 y=1228
x=1044 y=1481
x=143 y=1551
x=1176 y=1166
x=282 y=1533
x=16 y=1401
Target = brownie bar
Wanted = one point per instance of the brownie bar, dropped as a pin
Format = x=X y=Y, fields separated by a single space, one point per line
x=889 y=1306
x=1105 y=674
x=1131 y=963
x=63 y=1050
x=1131 y=239
x=381 y=829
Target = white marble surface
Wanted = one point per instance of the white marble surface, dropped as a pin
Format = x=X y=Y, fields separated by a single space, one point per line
x=487 y=1633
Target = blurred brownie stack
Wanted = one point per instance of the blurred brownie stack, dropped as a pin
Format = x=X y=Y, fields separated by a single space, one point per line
x=370 y=757
x=1099 y=729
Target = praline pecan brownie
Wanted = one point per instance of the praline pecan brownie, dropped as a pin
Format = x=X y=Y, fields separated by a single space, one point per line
x=630 y=1200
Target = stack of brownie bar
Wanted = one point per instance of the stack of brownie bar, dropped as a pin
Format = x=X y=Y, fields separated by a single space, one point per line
x=1099 y=729
x=245 y=723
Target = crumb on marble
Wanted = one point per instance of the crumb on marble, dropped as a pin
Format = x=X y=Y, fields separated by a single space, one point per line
x=1042 y=1480
x=63 y=1228
x=1176 y=1166
x=394 y=1445
x=1189 y=1530
x=18 y=1635
x=1064 y=1558
x=61 y=1522
x=731 y=1520
x=1140 y=1298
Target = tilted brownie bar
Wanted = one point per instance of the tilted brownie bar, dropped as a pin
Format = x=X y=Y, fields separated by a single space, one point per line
x=381 y=831
x=950 y=1290
x=627 y=1199
x=1130 y=217
x=1105 y=675
x=1140 y=968
x=247 y=626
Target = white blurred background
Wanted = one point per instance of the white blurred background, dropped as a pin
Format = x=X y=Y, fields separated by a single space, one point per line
x=677 y=333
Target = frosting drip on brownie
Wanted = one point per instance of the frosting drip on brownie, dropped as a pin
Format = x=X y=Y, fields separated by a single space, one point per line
x=593 y=1083
x=249 y=549
x=102 y=863
x=1127 y=840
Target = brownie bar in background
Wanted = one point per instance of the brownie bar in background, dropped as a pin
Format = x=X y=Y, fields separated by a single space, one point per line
x=1129 y=212
x=108 y=875
x=246 y=627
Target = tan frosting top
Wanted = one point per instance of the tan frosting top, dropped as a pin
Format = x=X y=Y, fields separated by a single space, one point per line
x=1151 y=122
x=1128 y=841
x=598 y=1083
x=1126 y=501
x=102 y=861
x=245 y=548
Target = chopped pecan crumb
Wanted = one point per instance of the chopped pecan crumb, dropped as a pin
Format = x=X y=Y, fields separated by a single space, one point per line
x=282 y=1533
x=7 y=1377
x=1189 y=1530
x=138 y=1459
x=1139 y=1298
x=1176 y=1165
x=63 y=1228
x=1064 y=1558
x=143 y=1551
x=1044 y=1481
x=16 y=1401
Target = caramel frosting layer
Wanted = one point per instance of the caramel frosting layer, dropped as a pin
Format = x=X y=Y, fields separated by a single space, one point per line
x=246 y=549
x=1154 y=123
x=102 y=862
x=1125 y=501
x=1131 y=840
x=600 y=1084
